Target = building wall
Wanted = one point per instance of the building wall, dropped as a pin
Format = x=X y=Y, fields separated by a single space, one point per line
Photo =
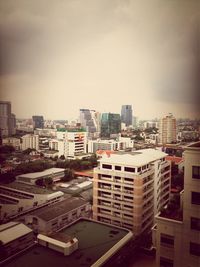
x=167 y=130
x=30 y=141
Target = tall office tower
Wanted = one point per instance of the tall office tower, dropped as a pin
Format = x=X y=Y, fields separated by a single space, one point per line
x=127 y=114
x=7 y=119
x=176 y=234
x=90 y=120
x=130 y=188
x=38 y=122
x=110 y=124
x=167 y=130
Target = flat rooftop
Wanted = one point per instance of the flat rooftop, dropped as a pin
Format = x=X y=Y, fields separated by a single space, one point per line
x=58 y=209
x=137 y=158
x=95 y=239
x=36 y=175
x=28 y=188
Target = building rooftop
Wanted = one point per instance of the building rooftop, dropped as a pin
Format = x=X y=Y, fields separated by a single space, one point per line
x=96 y=240
x=28 y=188
x=137 y=159
x=36 y=175
x=12 y=230
x=174 y=159
x=51 y=212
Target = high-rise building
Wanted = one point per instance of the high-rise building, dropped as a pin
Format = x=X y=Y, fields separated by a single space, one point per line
x=110 y=124
x=126 y=115
x=90 y=120
x=38 y=122
x=130 y=188
x=167 y=130
x=7 y=119
x=176 y=234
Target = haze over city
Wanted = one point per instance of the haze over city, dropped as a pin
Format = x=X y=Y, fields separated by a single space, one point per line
x=60 y=56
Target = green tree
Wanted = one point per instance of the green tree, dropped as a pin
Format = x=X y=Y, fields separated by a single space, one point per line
x=68 y=175
x=6 y=149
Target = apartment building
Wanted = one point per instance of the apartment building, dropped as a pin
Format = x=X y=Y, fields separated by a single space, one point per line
x=130 y=188
x=30 y=141
x=176 y=233
x=167 y=130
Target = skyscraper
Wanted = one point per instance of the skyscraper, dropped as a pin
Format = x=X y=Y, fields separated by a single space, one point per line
x=127 y=114
x=38 y=121
x=167 y=129
x=90 y=120
x=110 y=124
x=7 y=119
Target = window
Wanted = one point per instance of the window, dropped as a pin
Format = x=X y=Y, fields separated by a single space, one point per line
x=196 y=172
x=195 y=223
x=196 y=198
x=105 y=176
x=164 y=262
x=129 y=169
x=167 y=240
x=139 y=169
x=194 y=249
x=106 y=166
x=118 y=168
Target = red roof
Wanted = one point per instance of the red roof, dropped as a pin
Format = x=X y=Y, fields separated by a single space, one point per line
x=107 y=152
x=177 y=160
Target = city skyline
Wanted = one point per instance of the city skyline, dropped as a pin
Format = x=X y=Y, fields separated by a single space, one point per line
x=60 y=57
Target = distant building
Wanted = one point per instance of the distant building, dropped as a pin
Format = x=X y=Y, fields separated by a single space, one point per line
x=30 y=141
x=15 y=237
x=126 y=115
x=167 y=130
x=129 y=188
x=176 y=234
x=12 y=141
x=110 y=124
x=90 y=120
x=7 y=119
x=71 y=143
x=38 y=122
x=50 y=219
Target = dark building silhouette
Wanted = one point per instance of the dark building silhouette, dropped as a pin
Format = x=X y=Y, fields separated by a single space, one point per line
x=38 y=122
x=127 y=114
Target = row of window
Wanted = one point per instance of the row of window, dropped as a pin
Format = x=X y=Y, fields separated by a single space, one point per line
x=126 y=169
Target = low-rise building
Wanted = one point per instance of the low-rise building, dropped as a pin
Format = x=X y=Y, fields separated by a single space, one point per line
x=30 y=178
x=14 y=237
x=18 y=198
x=54 y=217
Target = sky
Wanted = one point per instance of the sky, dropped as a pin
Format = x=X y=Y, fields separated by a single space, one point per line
x=59 y=56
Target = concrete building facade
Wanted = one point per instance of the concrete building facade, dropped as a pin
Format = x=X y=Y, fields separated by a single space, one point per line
x=7 y=119
x=176 y=234
x=30 y=141
x=167 y=130
x=130 y=188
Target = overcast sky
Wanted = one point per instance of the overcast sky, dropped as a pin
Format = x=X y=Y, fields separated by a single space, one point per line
x=59 y=56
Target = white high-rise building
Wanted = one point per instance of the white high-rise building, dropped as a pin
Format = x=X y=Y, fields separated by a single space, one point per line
x=30 y=141
x=176 y=234
x=130 y=188
x=71 y=143
x=167 y=130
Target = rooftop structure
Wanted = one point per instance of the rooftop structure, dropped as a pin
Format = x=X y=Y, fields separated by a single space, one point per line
x=93 y=251
x=30 y=178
